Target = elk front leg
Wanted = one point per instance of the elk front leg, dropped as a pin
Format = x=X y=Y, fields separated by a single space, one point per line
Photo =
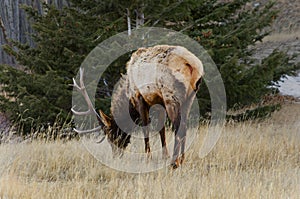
x=162 y=133
x=146 y=121
x=143 y=110
x=165 y=153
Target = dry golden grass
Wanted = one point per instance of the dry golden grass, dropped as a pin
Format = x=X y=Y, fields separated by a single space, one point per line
x=251 y=160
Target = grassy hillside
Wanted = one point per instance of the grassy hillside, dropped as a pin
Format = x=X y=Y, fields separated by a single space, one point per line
x=251 y=160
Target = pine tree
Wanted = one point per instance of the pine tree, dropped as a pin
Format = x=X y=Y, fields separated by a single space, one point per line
x=226 y=31
x=42 y=92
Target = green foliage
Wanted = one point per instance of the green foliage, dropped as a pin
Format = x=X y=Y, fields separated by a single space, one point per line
x=34 y=100
x=63 y=38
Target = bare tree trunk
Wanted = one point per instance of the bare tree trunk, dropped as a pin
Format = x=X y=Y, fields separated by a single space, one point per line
x=139 y=21
x=128 y=22
x=15 y=24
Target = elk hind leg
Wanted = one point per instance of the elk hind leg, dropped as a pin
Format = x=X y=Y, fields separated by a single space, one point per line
x=173 y=111
x=165 y=153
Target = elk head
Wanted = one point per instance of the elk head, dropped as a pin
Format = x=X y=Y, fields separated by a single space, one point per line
x=117 y=138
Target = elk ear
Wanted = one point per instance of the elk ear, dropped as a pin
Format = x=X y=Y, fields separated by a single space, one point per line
x=105 y=119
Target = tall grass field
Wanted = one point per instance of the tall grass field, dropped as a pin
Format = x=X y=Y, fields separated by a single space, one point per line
x=251 y=160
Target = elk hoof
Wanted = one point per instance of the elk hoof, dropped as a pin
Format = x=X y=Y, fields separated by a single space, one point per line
x=175 y=164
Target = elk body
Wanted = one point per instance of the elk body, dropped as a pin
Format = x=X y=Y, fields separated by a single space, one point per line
x=166 y=75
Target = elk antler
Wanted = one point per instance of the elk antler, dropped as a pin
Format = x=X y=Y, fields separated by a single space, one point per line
x=91 y=109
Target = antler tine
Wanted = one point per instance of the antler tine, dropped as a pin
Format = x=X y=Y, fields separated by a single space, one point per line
x=80 y=112
x=81 y=71
x=83 y=91
x=91 y=110
x=76 y=85
x=87 y=131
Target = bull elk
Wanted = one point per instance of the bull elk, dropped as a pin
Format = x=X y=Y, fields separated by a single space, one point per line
x=166 y=75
